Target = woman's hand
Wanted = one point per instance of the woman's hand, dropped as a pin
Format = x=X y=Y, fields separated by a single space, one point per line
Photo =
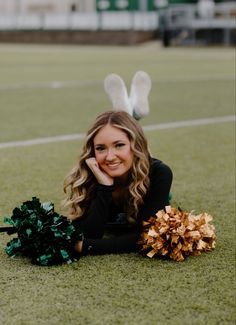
x=79 y=246
x=100 y=175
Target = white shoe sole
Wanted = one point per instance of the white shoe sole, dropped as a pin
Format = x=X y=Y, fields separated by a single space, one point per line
x=140 y=89
x=117 y=92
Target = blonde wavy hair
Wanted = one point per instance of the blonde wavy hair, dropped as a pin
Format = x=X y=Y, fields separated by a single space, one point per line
x=80 y=184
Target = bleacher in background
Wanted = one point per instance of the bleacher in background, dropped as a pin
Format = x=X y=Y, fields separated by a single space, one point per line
x=205 y=23
x=176 y=22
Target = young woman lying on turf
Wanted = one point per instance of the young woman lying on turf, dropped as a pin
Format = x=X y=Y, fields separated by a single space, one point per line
x=116 y=184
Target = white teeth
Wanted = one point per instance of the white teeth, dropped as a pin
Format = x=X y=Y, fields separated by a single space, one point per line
x=113 y=165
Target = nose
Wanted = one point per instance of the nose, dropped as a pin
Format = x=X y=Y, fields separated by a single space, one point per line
x=110 y=155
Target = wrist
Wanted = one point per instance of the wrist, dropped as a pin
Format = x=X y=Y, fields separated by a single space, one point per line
x=106 y=183
x=78 y=246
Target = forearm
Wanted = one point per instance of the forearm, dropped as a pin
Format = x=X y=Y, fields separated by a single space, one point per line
x=113 y=245
x=92 y=223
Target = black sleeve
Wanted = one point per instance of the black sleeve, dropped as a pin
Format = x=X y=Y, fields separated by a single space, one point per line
x=92 y=223
x=158 y=195
x=115 y=244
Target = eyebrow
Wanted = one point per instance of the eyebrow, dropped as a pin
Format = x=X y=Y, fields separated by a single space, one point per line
x=115 y=142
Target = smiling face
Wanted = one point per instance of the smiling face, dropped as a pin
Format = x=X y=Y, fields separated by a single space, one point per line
x=113 y=151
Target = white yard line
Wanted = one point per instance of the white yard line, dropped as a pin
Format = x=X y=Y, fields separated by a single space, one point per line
x=80 y=136
x=49 y=85
x=57 y=84
x=180 y=124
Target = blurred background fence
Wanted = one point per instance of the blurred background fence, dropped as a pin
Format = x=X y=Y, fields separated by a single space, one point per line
x=118 y=21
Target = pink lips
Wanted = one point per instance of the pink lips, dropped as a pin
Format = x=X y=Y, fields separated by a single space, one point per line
x=113 y=165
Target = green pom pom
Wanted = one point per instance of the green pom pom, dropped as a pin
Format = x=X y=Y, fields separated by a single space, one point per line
x=45 y=236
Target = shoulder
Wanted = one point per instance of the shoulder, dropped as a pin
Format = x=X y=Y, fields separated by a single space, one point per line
x=159 y=168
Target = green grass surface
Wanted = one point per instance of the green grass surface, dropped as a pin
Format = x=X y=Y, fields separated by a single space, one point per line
x=119 y=289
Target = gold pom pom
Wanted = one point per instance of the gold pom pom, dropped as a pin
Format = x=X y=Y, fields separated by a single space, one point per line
x=177 y=234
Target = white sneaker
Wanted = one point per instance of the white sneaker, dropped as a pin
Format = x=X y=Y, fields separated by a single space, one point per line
x=140 y=88
x=117 y=92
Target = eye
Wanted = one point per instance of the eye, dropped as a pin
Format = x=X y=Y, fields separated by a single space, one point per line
x=99 y=148
x=120 y=145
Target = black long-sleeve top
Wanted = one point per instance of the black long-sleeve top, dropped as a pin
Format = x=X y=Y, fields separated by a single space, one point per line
x=104 y=215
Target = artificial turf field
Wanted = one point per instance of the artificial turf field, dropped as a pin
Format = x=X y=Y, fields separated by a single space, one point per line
x=47 y=91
